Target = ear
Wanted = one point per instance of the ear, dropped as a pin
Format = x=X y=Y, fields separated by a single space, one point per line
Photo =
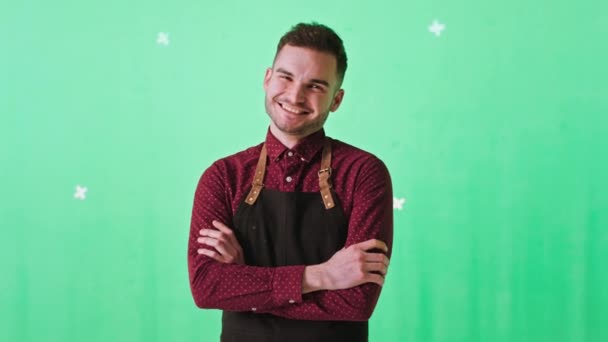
x=337 y=100
x=267 y=77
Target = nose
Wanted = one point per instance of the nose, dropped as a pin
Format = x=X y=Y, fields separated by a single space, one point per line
x=295 y=93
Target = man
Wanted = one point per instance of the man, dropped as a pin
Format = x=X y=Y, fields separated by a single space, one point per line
x=291 y=237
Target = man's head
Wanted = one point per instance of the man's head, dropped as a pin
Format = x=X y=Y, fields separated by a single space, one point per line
x=319 y=38
x=303 y=85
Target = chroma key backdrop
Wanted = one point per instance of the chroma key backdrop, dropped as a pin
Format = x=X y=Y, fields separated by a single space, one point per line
x=492 y=117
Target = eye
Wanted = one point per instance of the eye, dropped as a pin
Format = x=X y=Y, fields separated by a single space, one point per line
x=316 y=87
x=285 y=77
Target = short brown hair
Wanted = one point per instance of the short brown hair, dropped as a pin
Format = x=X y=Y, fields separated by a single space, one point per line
x=320 y=38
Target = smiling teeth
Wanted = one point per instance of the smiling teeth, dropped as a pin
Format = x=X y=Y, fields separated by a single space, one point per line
x=291 y=109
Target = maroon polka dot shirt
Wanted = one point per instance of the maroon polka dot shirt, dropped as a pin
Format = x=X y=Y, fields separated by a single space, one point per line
x=363 y=185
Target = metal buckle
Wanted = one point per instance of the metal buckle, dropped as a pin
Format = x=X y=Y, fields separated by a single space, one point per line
x=325 y=170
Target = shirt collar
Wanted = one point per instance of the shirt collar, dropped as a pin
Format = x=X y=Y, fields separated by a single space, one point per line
x=307 y=148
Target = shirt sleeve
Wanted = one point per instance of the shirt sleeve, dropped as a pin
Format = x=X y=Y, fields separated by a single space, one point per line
x=371 y=218
x=232 y=287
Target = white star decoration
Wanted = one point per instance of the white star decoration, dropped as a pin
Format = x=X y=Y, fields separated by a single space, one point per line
x=398 y=203
x=80 y=192
x=436 y=28
x=163 y=38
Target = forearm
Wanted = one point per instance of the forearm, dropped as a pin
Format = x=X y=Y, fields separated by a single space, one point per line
x=236 y=287
x=313 y=279
x=354 y=304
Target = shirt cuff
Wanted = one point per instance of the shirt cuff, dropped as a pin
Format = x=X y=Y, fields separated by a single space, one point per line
x=287 y=285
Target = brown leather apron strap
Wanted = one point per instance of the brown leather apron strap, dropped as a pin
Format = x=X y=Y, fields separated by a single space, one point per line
x=258 y=179
x=325 y=174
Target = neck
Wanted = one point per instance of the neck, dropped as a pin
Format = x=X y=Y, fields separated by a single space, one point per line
x=289 y=140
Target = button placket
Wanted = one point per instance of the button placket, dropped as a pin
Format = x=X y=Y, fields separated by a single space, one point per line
x=289 y=177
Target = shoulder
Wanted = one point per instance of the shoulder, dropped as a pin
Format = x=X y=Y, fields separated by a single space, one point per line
x=344 y=153
x=234 y=164
x=361 y=170
x=240 y=158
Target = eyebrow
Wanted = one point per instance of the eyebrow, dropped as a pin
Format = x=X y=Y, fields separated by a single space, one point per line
x=314 y=80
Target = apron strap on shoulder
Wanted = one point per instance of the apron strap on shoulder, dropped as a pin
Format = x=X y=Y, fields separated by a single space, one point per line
x=258 y=179
x=325 y=174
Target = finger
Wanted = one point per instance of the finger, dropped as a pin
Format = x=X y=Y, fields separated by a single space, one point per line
x=215 y=255
x=220 y=237
x=376 y=257
x=222 y=227
x=225 y=249
x=375 y=267
x=374 y=278
x=211 y=254
x=211 y=233
x=227 y=231
x=207 y=241
x=371 y=244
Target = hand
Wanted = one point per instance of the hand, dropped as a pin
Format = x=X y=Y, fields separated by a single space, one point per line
x=226 y=247
x=349 y=267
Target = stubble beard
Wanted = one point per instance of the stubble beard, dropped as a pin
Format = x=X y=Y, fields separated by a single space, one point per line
x=303 y=130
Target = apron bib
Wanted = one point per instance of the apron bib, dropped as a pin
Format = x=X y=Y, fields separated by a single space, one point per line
x=278 y=228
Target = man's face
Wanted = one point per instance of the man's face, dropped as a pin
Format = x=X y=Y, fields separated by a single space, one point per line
x=301 y=89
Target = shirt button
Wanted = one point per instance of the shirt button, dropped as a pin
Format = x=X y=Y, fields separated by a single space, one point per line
x=288 y=179
x=290 y=153
x=291 y=301
x=253 y=309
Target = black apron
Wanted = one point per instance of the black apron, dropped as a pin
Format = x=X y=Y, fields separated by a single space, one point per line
x=289 y=228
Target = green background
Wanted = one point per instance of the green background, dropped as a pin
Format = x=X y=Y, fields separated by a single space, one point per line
x=494 y=133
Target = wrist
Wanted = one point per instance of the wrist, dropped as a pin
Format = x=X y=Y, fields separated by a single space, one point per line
x=313 y=279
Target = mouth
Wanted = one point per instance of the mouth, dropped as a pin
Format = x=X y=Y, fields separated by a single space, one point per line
x=292 y=109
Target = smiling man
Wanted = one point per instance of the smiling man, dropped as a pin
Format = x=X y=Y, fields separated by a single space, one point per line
x=291 y=238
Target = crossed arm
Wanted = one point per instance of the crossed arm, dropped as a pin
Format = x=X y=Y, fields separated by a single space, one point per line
x=345 y=287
